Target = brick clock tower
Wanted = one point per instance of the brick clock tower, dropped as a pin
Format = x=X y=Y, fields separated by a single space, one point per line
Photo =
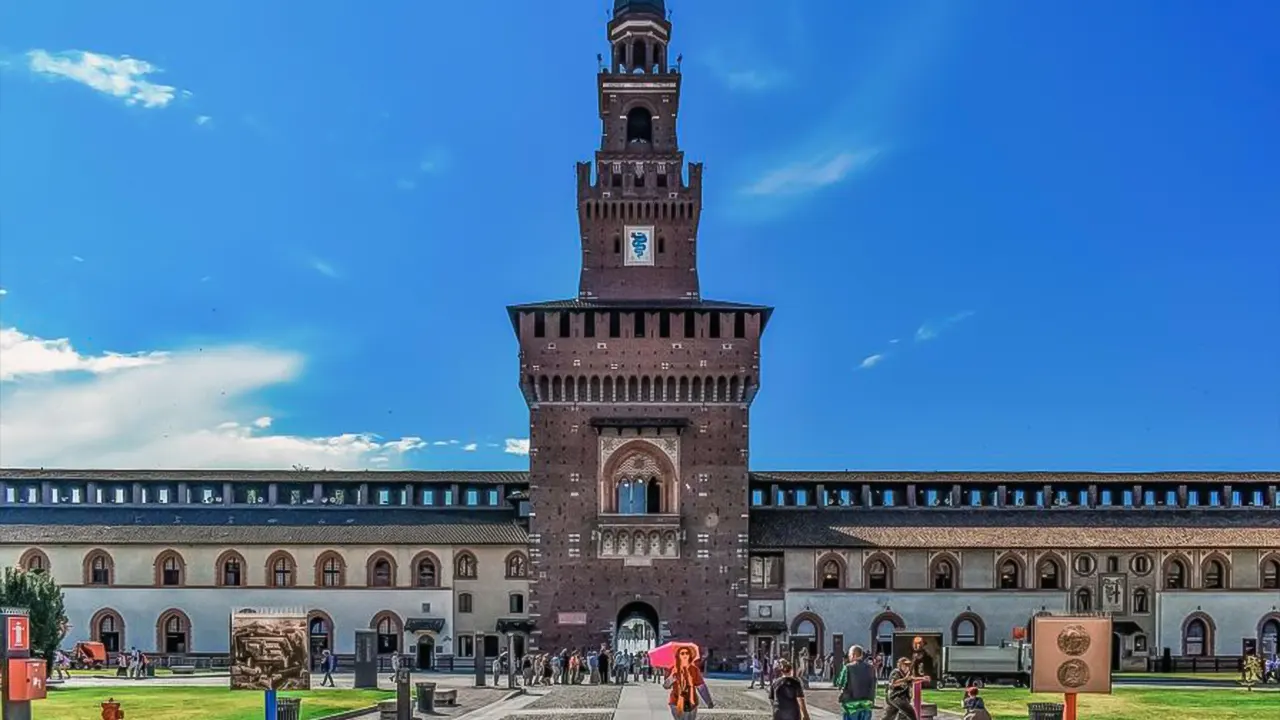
x=639 y=390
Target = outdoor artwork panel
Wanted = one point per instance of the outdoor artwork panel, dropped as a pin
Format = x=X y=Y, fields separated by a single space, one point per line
x=1071 y=654
x=925 y=651
x=269 y=651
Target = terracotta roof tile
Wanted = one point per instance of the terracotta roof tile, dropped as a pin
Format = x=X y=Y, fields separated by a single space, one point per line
x=783 y=477
x=1015 y=528
x=435 y=534
x=485 y=477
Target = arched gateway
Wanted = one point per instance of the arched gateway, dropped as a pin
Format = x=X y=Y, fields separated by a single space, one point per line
x=637 y=628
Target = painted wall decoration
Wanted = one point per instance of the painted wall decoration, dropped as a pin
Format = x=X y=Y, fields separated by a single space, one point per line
x=269 y=650
x=1071 y=654
x=925 y=651
x=638 y=245
x=1112 y=594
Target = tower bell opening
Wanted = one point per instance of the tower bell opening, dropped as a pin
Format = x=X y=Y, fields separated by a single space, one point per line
x=639 y=126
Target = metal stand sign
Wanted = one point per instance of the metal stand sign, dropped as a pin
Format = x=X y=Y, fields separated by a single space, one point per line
x=24 y=676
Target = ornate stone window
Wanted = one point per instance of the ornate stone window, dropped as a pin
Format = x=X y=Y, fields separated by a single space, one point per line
x=1214 y=574
x=1141 y=601
x=517 y=566
x=381 y=570
x=426 y=571
x=107 y=627
x=638 y=479
x=831 y=572
x=170 y=569
x=1271 y=573
x=466 y=566
x=1084 y=600
x=1084 y=564
x=34 y=560
x=1140 y=564
x=879 y=573
x=1009 y=573
x=389 y=629
x=944 y=573
x=1175 y=574
x=229 y=570
x=967 y=629
x=174 y=633
x=1197 y=636
x=281 y=570
x=1050 y=574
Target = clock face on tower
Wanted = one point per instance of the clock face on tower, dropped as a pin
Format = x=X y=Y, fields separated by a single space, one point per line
x=638 y=245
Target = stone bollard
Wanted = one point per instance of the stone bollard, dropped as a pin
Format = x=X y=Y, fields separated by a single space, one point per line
x=388 y=710
x=111 y=710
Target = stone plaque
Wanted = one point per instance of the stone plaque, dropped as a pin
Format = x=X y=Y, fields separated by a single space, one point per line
x=1071 y=654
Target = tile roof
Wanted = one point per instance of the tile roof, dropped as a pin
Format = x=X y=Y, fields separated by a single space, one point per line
x=437 y=534
x=783 y=477
x=474 y=477
x=1015 y=528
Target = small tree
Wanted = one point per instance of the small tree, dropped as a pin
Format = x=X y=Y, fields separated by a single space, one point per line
x=36 y=592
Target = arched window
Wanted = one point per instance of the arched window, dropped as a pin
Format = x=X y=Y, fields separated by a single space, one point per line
x=517 y=566
x=381 y=570
x=467 y=568
x=1084 y=600
x=107 y=627
x=879 y=575
x=230 y=569
x=98 y=568
x=882 y=629
x=169 y=569
x=1010 y=575
x=387 y=626
x=1269 y=634
x=967 y=630
x=639 y=126
x=332 y=570
x=1215 y=575
x=1141 y=601
x=831 y=575
x=1175 y=575
x=175 y=633
x=944 y=574
x=1050 y=574
x=464 y=602
x=320 y=633
x=34 y=560
x=1271 y=574
x=1196 y=639
x=427 y=575
x=281 y=570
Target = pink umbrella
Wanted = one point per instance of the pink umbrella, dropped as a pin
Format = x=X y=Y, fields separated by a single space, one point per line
x=664 y=656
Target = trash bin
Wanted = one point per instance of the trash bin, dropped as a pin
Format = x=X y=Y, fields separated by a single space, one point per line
x=426 y=697
x=288 y=708
x=1044 y=711
x=151 y=670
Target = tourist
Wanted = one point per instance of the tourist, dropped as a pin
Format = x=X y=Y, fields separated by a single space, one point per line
x=898 y=695
x=974 y=707
x=757 y=672
x=686 y=685
x=395 y=664
x=498 y=664
x=328 y=663
x=563 y=676
x=604 y=663
x=857 y=685
x=787 y=695
x=122 y=665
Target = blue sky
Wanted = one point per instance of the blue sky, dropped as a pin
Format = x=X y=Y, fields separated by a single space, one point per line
x=999 y=235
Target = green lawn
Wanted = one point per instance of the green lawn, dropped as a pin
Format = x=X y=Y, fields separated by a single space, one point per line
x=1228 y=676
x=1129 y=703
x=192 y=703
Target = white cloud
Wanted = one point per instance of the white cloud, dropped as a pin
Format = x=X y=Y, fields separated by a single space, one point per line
x=809 y=175
x=160 y=410
x=24 y=355
x=77 y=258
x=323 y=268
x=871 y=361
x=203 y=120
x=470 y=447
x=3 y=292
x=122 y=77
x=516 y=446
x=930 y=330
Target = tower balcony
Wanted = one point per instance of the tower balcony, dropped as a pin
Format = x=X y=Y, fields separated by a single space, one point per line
x=638 y=539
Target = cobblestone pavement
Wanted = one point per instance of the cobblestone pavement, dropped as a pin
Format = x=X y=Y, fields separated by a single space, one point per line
x=472 y=699
x=735 y=697
x=566 y=715
x=571 y=697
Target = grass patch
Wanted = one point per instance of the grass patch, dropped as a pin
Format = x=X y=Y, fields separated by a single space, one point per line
x=1228 y=676
x=194 y=703
x=1128 y=703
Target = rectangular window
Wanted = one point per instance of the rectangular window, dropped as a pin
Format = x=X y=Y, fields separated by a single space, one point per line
x=295 y=497
x=739 y=325
x=589 y=324
x=1193 y=498
x=690 y=325
x=766 y=572
x=846 y=497
x=539 y=324
x=975 y=498
x=664 y=324
x=564 y=325
x=1257 y=499
x=662 y=179
x=493 y=498
x=466 y=646
x=1104 y=497
x=802 y=497
x=448 y=497
x=757 y=497
x=639 y=325
x=615 y=324
x=384 y=496
x=1171 y=498
x=1039 y=498
x=1019 y=497
x=428 y=496
x=118 y=495
x=473 y=498
x=889 y=498
x=11 y=495
x=1215 y=498
x=1083 y=498
x=77 y=495
x=715 y=324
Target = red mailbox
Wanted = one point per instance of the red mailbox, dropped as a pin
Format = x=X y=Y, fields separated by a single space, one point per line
x=26 y=679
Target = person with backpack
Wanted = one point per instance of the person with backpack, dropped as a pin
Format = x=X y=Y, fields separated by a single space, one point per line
x=857 y=685
x=787 y=694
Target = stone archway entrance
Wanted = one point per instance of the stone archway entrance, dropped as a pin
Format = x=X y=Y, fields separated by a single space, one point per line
x=426 y=652
x=637 y=628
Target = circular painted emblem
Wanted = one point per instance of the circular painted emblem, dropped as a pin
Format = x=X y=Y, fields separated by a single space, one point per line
x=1074 y=640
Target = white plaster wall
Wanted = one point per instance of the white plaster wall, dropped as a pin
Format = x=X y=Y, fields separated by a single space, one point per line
x=1235 y=614
x=853 y=613
x=777 y=607
x=210 y=609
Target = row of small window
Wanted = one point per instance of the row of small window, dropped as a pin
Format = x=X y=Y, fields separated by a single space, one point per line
x=1017 y=497
x=667 y=320
x=254 y=495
